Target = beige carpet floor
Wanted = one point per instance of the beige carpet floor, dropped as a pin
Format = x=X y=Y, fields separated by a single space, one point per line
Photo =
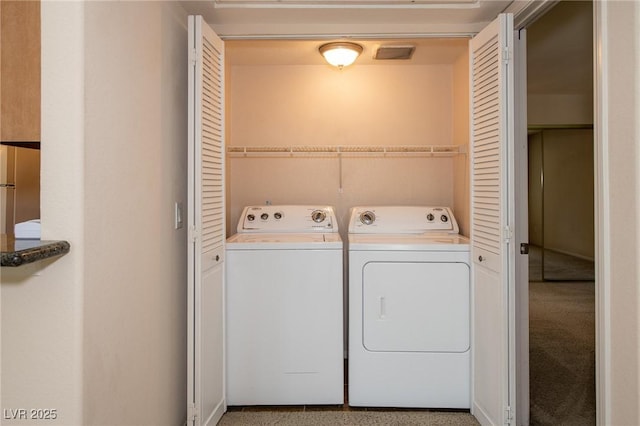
x=346 y=418
x=556 y=266
x=562 y=353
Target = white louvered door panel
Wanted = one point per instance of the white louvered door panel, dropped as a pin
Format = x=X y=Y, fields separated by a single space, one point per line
x=212 y=153
x=205 y=391
x=486 y=154
x=492 y=206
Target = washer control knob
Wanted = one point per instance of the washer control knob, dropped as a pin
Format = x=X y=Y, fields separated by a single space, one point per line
x=318 y=216
x=367 y=217
x=430 y=217
x=251 y=217
x=444 y=218
x=264 y=216
x=277 y=215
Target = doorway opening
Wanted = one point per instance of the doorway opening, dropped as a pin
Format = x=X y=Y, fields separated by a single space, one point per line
x=561 y=216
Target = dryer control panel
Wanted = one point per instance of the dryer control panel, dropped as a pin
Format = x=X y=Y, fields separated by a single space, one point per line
x=287 y=218
x=402 y=220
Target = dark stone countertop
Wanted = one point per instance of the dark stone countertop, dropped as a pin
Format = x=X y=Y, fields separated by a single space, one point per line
x=19 y=252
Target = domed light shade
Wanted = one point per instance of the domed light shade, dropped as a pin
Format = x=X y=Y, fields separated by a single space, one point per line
x=340 y=54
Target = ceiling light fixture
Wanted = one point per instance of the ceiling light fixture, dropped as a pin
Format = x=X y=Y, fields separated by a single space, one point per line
x=340 y=53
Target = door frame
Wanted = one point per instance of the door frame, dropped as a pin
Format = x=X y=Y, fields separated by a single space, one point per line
x=524 y=17
x=521 y=231
x=601 y=213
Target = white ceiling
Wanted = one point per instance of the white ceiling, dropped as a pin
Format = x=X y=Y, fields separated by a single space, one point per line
x=336 y=18
x=289 y=32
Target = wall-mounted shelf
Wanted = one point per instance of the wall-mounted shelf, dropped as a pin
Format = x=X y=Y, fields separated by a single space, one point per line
x=348 y=150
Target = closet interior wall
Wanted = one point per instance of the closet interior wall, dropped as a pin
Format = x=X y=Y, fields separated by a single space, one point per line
x=362 y=107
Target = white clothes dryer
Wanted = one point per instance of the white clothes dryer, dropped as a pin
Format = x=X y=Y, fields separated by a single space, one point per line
x=409 y=308
x=284 y=307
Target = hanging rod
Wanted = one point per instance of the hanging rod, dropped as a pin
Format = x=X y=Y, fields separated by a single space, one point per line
x=350 y=150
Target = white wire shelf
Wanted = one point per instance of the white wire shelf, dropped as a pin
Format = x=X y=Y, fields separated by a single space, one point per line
x=348 y=150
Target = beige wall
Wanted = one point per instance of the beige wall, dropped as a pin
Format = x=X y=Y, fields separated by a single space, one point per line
x=42 y=313
x=320 y=105
x=461 y=178
x=619 y=221
x=100 y=333
x=560 y=109
x=135 y=170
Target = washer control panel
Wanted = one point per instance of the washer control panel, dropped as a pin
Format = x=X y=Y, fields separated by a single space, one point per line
x=402 y=220
x=287 y=218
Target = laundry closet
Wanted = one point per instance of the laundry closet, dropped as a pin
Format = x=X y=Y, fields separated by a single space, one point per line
x=382 y=132
x=298 y=131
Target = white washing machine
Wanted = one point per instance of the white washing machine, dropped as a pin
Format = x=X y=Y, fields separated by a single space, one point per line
x=409 y=308
x=284 y=307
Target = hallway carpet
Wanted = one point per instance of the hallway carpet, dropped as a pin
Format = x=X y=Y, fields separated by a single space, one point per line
x=558 y=266
x=562 y=353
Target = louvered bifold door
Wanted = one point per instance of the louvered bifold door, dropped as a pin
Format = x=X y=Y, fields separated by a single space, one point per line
x=491 y=209
x=205 y=394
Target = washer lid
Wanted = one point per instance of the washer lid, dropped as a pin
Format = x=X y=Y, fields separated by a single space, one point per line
x=284 y=241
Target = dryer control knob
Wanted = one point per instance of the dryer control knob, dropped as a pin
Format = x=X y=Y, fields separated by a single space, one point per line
x=367 y=217
x=444 y=218
x=430 y=217
x=318 y=216
x=277 y=215
x=264 y=216
x=251 y=217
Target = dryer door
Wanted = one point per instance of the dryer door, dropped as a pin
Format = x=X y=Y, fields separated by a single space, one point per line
x=416 y=307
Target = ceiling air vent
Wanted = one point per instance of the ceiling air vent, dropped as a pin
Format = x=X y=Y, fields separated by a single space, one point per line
x=394 y=52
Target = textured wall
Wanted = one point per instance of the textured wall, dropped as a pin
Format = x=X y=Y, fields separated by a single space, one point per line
x=360 y=105
x=135 y=170
x=99 y=335
x=42 y=313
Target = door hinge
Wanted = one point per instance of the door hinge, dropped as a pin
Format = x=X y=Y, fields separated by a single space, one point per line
x=506 y=54
x=508 y=416
x=508 y=234
x=193 y=234
x=193 y=57
x=192 y=413
x=524 y=248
